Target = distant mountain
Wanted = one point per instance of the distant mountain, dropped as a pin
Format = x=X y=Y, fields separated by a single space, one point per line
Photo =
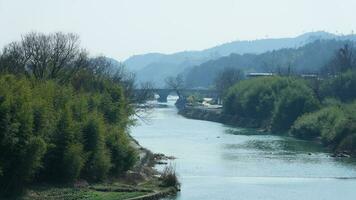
x=136 y=63
x=309 y=58
x=156 y=67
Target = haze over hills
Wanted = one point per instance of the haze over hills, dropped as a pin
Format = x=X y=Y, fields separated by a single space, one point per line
x=155 y=67
x=308 y=59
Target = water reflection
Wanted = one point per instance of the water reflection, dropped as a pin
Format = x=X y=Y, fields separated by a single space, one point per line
x=277 y=146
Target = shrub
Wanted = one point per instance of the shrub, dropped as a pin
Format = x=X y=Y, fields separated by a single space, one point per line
x=169 y=177
x=306 y=127
x=252 y=98
x=293 y=102
x=327 y=123
x=270 y=101
x=336 y=126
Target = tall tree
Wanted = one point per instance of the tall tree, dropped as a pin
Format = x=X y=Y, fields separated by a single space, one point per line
x=44 y=56
x=227 y=78
x=175 y=83
x=343 y=61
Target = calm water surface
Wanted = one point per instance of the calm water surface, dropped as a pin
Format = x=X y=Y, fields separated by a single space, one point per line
x=216 y=161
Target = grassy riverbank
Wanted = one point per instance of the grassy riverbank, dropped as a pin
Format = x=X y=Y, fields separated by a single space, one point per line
x=104 y=191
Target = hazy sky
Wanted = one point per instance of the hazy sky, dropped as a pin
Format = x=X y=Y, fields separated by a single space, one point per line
x=121 y=28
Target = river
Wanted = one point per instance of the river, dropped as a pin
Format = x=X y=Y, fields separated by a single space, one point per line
x=219 y=162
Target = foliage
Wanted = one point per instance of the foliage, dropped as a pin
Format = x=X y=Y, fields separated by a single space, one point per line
x=73 y=162
x=293 y=101
x=59 y=134
x=342 y=86
x=98 y=163
x=278 y=100
x=21 y=149
x=123 y=156
x=335 y=125
x=63 y=115
x=169 y=177
x=285 y=103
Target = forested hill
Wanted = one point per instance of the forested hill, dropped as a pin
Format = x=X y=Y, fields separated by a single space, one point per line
x=306 y=59
x=155 y=66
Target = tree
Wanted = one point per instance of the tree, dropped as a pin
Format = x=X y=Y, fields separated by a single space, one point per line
x=227 y=78
x=63 y=115
x=53 y=56
x=293 y=101
x=342 y=87
x=175 y=83
x=274 y=102
x=98 y=164
x=21 y=151
x=343 y=61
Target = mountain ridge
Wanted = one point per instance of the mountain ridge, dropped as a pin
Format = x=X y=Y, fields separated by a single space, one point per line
x=155 y=67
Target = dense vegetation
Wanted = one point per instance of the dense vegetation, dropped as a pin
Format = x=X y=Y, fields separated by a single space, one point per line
x=335 y=123
x=273 y=102
x=63 y=115
x=322 y=107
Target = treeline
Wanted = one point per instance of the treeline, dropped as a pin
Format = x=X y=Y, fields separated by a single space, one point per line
x=63 y=115
x=307 y=59
x=319 y=107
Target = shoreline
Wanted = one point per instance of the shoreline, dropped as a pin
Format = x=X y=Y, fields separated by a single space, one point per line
x=216 y=115
x=142 y=182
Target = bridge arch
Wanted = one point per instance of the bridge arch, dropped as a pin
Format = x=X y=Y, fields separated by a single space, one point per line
x=184 y=93
x=163 y=94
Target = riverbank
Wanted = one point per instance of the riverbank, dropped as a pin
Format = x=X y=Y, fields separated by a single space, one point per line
x=143 y=182
x=216 y=115
x=213 y=158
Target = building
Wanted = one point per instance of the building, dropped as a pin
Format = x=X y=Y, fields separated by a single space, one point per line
x=258 y=74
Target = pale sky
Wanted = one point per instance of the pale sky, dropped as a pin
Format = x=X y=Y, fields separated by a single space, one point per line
x=121 y=28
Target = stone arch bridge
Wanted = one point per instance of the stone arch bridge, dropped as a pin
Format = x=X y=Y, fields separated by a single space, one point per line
x=184 y=93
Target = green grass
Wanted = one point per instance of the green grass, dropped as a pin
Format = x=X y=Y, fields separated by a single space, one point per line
x=102 y=191
x=68 y=193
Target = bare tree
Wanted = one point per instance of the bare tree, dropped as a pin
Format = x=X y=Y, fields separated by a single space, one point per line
x=13 y=59
x=344 y=60
x=176 y=83
x=44 y=56
x=104 y=68
x=227 y=78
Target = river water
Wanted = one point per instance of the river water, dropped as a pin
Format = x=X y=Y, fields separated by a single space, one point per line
x=219 y=162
